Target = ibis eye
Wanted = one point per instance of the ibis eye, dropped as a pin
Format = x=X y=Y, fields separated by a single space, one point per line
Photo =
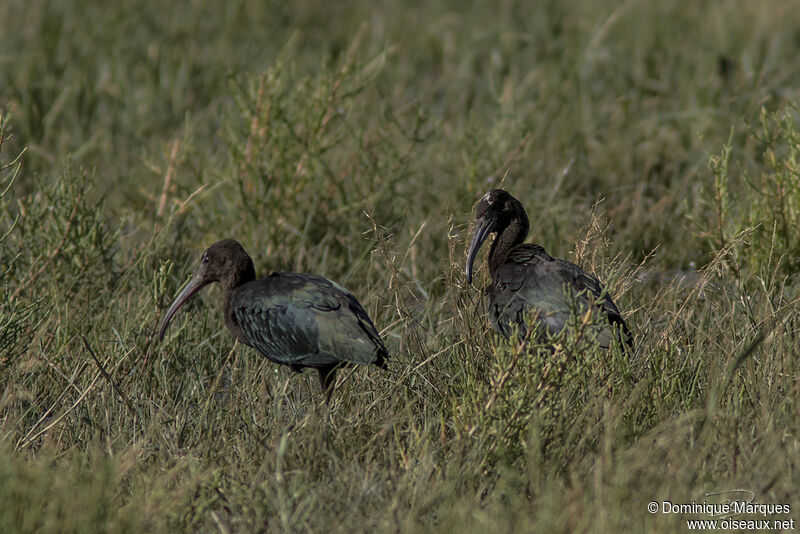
x=205 y=259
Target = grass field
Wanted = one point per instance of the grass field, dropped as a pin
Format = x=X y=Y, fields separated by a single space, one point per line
x=656 y=144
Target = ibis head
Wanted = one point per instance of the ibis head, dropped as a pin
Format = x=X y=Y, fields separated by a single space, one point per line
x=494 y=213
x=225 y=262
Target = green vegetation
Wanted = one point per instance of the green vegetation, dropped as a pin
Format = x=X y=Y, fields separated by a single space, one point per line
x=351 y=140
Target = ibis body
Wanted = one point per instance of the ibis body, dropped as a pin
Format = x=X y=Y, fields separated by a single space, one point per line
x=294 y=319
x=529 y=283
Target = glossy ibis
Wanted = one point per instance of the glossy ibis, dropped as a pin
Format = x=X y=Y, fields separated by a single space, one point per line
x=527 y=280
x=299 y=320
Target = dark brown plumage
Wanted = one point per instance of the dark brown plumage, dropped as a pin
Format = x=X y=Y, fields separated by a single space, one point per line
x=299 y=320
x=526 y=280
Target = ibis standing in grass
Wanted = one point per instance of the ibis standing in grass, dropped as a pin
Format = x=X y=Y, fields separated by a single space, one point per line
x=299 y=320
x=526 y=281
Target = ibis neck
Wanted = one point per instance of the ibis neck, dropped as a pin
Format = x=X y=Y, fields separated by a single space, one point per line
x=240 y=277
x=229 y=283
x=514 y=234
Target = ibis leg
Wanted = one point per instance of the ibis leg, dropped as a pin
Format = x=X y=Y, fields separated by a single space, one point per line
x=327 y=378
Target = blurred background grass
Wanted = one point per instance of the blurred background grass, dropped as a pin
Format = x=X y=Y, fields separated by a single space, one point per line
x=645 y=140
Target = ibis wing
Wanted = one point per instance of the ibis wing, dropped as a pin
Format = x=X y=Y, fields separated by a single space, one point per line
x=521 y=290
x=347 y=331
x=305 y=320
x=591 y=292
x=531 y=281
x=283 y=333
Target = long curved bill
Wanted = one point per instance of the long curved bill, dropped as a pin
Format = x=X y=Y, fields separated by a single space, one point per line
x=195 y=284
x=484 y=227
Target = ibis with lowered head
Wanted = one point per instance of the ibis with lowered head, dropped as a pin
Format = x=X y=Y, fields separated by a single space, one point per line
x=299 y=320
